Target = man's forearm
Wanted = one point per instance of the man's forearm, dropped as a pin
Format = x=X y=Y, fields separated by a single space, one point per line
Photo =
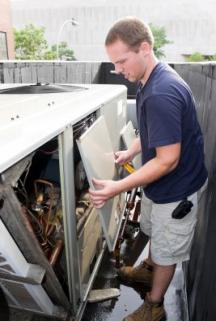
x=148 y=173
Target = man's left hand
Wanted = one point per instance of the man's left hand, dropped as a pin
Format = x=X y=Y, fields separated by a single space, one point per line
x=105 y=189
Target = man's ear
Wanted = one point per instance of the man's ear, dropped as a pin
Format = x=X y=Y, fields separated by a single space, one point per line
x=145 y=47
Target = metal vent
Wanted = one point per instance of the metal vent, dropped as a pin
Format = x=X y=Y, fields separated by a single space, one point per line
x=19 y=279
x=18 y=296
x=42 y=89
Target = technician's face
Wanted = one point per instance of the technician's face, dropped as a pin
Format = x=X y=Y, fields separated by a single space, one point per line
x=127 y=62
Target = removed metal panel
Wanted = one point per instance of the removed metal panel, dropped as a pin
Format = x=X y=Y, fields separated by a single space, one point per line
x=128 y=135
x=98 y=158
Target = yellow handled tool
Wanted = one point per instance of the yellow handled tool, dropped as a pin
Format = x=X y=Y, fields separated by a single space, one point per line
x=129 y=168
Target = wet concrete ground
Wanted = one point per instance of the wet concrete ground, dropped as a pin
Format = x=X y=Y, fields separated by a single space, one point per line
x=130 y=297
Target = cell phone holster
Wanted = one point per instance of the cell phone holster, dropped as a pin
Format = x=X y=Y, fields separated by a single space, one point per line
x=183 y=208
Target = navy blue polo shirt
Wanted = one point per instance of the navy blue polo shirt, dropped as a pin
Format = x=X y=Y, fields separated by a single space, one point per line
x=166 y=115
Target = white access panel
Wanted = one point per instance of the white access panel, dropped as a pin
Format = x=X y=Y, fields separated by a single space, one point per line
x=128 y=136
x=98 y=158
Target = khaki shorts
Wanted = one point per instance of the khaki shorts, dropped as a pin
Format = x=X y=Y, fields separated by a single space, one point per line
x=171 y=239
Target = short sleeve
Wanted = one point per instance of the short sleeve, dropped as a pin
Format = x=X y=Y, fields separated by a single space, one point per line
x=163 y=118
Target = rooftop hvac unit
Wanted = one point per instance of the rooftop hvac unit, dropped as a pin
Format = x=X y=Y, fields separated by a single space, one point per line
x=53 y=140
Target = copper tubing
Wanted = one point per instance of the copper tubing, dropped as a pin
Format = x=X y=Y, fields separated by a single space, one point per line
x=44 y=182
x=56 y=252
x=51 y=230
x=116 y=253
x=46 y=248
x=131 y=200
x=41 y=181
x=136 y=211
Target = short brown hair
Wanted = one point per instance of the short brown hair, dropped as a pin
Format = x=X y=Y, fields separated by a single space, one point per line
x=131 y=31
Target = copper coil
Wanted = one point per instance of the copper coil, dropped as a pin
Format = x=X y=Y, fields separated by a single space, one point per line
x=56 y=252
x=46 y=248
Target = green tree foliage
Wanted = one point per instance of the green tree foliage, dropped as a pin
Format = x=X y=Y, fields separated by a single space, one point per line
x=30 y=44
x=65 y=53
x=212 y=58
x=197 y=56
x=160 y=38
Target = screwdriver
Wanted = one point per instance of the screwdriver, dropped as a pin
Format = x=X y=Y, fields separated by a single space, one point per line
x=129 y=168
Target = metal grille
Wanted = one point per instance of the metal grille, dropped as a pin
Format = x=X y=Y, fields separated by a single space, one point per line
x=17 y=295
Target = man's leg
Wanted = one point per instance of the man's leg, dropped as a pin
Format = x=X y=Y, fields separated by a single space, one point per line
x=153 y=309
x=170 y=243
x=162 y=277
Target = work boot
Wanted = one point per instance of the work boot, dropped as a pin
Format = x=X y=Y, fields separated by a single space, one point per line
x=148 y=311
x=142 y=273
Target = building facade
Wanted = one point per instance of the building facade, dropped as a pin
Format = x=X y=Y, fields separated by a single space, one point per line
x=190 y=25
x=6 y=31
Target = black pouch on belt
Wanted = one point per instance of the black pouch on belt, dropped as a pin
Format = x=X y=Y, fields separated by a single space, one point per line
x=183 y=208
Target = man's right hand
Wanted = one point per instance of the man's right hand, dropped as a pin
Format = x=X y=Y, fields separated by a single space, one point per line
x=123 y=156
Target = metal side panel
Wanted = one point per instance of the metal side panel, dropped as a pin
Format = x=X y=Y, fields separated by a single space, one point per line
x=66 y=151
x=128 y=135
x=98 y=158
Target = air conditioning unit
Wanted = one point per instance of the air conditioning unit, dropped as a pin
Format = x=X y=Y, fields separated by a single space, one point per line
x=53 y=140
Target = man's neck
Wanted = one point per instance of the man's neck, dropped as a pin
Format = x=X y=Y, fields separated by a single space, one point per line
x=152 y=63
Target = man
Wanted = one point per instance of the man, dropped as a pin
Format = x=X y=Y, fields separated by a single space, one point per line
x=173 y=167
